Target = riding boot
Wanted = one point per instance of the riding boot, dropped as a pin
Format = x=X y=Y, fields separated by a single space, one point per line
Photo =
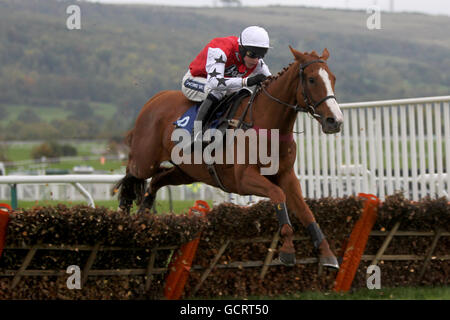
x=203 y=110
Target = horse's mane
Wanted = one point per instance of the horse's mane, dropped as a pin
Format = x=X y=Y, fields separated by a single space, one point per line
x=279 y=74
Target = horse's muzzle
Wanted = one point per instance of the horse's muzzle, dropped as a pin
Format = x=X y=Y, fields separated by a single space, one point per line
x=331 y=125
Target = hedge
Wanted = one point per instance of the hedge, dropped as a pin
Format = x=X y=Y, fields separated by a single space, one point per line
x=139 y=233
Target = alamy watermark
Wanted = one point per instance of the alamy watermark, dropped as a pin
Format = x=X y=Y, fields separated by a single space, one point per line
x=235 y=147
x=73 y=22
x=373 y=280
x=373 y=22
x=374 y=277
x=74 y=281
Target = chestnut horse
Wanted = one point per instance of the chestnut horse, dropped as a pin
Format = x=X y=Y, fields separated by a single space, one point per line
x=306 y=85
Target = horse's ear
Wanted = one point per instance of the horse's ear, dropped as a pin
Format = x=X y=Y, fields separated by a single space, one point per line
x=298 y=55
x=325 y=54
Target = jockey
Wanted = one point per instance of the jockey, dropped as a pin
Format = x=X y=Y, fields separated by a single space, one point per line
x=224 y=66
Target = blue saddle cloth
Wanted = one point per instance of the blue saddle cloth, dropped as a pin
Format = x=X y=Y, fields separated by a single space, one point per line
x=186 y=121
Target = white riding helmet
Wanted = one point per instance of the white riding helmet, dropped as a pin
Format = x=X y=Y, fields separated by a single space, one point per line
x=254 y=36
x=253 y=42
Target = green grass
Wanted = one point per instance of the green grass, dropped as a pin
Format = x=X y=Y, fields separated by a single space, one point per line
x=162 y=206
x=104 y=110
x=400 y=293
x=19 y=152
x=46 y=114
x=22 y=151
x=50 y=113
x=403 y=293
x=111 y=166
x=87 y=148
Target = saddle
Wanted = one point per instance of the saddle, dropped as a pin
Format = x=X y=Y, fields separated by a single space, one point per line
x=230 y=105
x=220 y=117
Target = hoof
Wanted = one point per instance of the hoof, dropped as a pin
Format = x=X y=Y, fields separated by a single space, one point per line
x=288 y=259
x=329 y=262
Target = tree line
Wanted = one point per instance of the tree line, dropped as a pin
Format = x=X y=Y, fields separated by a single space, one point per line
x=125 y=54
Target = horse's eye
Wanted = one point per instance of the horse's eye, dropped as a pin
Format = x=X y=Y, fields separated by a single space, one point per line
x=311 y=80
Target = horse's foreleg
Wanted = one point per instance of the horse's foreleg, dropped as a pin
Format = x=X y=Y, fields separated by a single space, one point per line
x=252 y=182
x=296 y=203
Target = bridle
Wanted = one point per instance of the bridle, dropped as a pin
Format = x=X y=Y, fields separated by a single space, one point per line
x=310 y=106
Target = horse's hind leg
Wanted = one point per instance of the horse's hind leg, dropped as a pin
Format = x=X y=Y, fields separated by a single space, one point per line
x=173 y=176
x=144 y=165
x=129 y=188
x=148 y=201
x=150 y=194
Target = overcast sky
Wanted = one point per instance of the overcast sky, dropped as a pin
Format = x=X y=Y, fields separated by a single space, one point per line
x=424 y=6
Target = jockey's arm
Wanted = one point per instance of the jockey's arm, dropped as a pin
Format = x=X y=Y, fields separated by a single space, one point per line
x=215 y=68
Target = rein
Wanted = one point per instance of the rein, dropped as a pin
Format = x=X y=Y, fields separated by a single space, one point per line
x=309 y=106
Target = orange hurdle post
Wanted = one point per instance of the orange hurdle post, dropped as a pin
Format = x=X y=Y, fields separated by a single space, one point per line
x=357 y=243
x=181 y=263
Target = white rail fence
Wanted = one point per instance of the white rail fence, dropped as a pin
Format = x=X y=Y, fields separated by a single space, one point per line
x=384 y=147
x=87 y=187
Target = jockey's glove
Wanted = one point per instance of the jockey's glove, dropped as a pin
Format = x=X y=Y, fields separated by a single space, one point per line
x=255 y=80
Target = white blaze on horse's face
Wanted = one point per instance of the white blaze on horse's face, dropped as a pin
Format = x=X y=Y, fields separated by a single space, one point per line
x=331 y=103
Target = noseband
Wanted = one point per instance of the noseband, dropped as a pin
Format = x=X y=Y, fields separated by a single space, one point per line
x=310 y=106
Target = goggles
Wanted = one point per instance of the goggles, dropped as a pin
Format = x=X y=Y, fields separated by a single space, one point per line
x=255 y=52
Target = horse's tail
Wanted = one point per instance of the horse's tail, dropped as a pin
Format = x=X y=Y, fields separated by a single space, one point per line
x=129 y=189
